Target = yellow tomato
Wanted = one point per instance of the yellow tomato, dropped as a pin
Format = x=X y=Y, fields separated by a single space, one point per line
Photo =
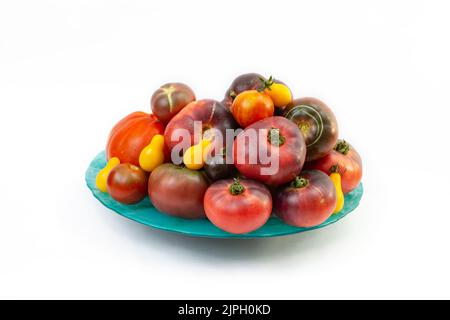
x=279 y=93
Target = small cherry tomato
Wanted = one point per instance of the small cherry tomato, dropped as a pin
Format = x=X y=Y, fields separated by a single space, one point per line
x=238 y=206
x=251 y=106
x=127 y=183
x=279 y=92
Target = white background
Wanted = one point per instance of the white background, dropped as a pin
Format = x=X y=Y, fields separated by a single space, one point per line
x=70 y=70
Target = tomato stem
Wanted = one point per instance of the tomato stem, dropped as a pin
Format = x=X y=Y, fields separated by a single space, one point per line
x=299 y=182
x=266 y=84
x=335 y=169
x=275 y=137
x=342 y=146
x=236 y=187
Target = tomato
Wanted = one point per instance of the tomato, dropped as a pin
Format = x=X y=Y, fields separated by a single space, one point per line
x=238 y=206
x=127 y=183
x=317 y=123
x=349 y=162
x=132 y=134
x=169 y=99
x=248 y=81
x=307 y=201
x=274 y=138
x=216 y=166
x=251 y=106
x=210 y=114
x=178 y=191
x=277 y=91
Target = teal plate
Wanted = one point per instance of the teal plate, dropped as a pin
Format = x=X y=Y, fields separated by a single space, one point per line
x=144 y=212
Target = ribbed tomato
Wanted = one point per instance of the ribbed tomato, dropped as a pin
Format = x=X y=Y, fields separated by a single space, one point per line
x=131 y=134
x=348 y=160
x=238 y=206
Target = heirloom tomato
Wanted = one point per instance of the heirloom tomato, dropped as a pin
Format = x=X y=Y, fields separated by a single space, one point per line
x=238 y=206
x=307 y=201
x=251 y=106
x=127 y=183
x=247 y=81
x=348 y=160
x=178 y=191
x=317 y=123
x=132 y=134
x=217 y=167
x=271 y=150
x=169 y=99
x=211 y=116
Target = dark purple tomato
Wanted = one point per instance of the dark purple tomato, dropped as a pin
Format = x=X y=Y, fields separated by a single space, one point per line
x=216 y=167
x=317 y=123
x=307 y=201
x=169 y=99
x=127 y=183
x=178 y=191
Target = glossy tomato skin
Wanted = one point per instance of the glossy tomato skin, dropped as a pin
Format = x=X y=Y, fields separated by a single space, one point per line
x=251 y=106
x=317 y=123
x=291 y=154
x=169 y=99
x=350 y=167
x=247 y=81
x=217 y=168
x=127 y=183
x=308 y=206
x=132 y=134
x=178 y=191
x=241 y=213
x=210 y=113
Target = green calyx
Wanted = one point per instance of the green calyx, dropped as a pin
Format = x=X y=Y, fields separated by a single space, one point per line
x=335 y=169
x=275 y=138
x=342 y=146
x=236 y=187
x=266 y=84
x=299 y=182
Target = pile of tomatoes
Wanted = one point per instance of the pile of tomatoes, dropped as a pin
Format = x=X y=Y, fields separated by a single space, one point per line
x=315 y=169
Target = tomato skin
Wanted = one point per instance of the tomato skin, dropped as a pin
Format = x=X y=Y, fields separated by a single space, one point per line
x=211 y=113
x=308 y=206
x=291 y=154
x=251 y=106
x=178 y=191
x=240 y=213
x=132 y=134
x=350 y=167
x=127 y=183
x=247 y=81
x=216 y=168
x=317 y=123
x=169 y=99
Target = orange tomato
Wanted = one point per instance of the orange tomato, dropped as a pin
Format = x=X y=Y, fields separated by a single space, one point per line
x=251 y=106
x=132 y=134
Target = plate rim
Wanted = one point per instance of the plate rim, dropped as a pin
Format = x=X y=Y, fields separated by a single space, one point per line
x=292 y=229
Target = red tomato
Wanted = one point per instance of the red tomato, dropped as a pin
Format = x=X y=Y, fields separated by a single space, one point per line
x=132 y=134
x=308 y=201
x=238 y=206
x=349 y=162
x=274 y=138
x=178 y=191
x=251 y=106
x=127 y=183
